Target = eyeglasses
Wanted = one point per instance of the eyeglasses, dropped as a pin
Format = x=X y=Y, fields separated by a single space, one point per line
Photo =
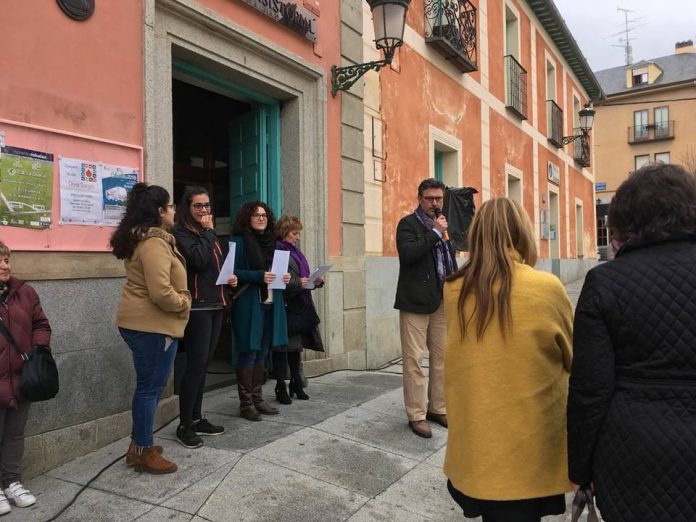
x=201 y=206
x=432 y=199
x=259 y=216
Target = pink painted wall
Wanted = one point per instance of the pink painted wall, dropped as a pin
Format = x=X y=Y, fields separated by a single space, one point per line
x=325 y=53
x=82 y=78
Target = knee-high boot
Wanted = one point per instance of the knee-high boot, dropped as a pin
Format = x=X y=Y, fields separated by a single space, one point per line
x=245 y=385
x=257 y=392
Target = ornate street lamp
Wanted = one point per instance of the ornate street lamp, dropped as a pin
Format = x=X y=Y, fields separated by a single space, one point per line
x=388 y=18
x=586 y=122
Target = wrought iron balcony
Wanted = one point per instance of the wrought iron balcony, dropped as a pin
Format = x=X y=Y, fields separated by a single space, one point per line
x=450 y=28
x=663 y=130
x=581 y=148
x=515 y=87
x=554 y=120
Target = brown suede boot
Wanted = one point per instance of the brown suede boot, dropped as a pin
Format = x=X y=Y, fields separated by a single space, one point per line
x=130 y=454
x=150 y=460
x=257 y=392
x=247 y=410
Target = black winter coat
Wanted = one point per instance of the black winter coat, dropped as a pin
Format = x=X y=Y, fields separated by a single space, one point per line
x=203 y=263
x=632 y=401
x=418 y=290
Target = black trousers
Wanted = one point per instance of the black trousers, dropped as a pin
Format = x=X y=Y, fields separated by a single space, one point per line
x=283 y=360
x=200 y=338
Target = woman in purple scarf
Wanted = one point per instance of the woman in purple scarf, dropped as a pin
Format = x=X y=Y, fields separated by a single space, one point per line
x=302 y=317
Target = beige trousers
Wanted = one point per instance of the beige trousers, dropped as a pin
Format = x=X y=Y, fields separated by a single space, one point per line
x=421 y=333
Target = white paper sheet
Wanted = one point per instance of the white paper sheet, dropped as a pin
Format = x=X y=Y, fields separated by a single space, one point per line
x=318 y=273
x=227 y=270
x=281 y=258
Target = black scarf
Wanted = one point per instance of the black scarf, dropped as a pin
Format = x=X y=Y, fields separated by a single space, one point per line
x=260 y=247
x=4 y=292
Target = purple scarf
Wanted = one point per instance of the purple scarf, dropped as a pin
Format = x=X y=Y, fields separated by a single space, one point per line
x=298 y=256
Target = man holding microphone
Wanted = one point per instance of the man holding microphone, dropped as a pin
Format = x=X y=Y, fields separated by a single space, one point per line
x=425 y=259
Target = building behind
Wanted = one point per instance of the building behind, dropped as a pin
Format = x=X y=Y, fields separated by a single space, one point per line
x=648 y=116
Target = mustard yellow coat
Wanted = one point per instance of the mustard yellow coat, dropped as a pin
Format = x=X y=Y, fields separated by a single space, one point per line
x=506 y=397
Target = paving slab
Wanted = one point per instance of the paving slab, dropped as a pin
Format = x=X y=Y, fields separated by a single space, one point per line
x=437 y=459
x=240 y=434
x=375 y=511
x=337 y=460
x=51 y=495
x=261 y=491
x=104 y=507
x=385 y=432
x=382 y=381
x=190 y=499
x=423 y=491
x=390 y=403
x=122 y=480
x=160 y=514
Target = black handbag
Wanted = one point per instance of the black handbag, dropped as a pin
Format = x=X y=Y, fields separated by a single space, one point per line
x=39 y=372
x=301 y=314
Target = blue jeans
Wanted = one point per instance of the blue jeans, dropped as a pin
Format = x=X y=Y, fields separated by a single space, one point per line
x=153 y=360
x=250 y=359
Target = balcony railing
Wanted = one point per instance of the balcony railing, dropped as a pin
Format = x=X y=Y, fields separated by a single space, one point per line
x=663 y=130
x=581 y=148
x=450 y=28
x=554 y=131
x=515 y=87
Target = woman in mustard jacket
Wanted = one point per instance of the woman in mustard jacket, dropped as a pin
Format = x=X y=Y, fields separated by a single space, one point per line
x=507 y=362
x=153 y=311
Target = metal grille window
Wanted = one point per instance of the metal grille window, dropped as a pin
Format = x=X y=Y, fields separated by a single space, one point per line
x=555 y=123
x=581 y=148
x=450 y=28
x=516 y=87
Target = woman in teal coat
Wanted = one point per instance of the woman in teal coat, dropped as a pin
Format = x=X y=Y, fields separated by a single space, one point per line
x=258 y=321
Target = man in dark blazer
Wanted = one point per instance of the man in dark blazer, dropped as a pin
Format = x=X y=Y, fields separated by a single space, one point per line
x=425 y=259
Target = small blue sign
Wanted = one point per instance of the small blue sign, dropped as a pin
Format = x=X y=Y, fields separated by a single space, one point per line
x=599 y=187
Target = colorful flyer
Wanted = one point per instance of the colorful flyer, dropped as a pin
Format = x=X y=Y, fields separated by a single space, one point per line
x=26 y=187
x=117 y=183
x=80 y=193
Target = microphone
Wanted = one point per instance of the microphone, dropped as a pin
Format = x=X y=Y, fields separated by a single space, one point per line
x=438 y=213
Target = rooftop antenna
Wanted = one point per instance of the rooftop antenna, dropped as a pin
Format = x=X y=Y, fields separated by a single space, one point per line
x=625 y=40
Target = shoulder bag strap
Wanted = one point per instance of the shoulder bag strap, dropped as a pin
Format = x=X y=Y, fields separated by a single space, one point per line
x=4 y=331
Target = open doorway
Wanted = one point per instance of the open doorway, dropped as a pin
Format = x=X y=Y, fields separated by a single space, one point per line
x=223 y=144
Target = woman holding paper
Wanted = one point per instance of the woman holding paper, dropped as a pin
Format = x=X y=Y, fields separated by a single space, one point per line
x=299 y=307
x=197 y=242
x=258 y=320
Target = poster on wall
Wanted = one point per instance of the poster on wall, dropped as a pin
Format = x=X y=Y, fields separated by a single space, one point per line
x=117 y=183
x=26 y=186
x=93 y=193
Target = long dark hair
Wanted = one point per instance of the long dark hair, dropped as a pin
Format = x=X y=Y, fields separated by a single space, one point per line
x=142 y=212
x=656 y=202
x=183 y=217
x=243 y=222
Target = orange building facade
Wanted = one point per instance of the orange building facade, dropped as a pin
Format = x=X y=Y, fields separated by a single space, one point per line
x=481 y=94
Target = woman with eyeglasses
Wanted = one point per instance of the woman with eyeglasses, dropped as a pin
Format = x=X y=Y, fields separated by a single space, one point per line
x=197 y=242
x=152 y=313
x=259 y=320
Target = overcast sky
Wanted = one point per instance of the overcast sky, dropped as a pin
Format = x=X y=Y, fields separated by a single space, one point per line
x=659 y=24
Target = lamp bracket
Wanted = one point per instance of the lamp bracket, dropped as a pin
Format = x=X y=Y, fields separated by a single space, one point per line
x=569 y=139
x=342 y=78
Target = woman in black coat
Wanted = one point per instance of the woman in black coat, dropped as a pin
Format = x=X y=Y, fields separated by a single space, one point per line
x=303 y=320
x=197 y=242
x=632 y=401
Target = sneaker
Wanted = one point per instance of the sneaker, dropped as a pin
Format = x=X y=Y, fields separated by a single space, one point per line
x=4 y=504
x=203 y=427
x=187 y=437
x=19 y=496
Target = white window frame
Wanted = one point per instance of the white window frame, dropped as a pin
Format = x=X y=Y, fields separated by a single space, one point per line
x=452 y=146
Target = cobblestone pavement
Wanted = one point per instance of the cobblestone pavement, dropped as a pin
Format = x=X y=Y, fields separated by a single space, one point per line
x=344 y=455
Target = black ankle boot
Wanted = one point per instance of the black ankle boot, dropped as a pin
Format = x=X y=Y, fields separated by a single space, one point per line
x=281 y=393
x=296 y=389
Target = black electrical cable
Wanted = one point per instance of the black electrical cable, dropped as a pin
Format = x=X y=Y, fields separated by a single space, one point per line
x=117 y=459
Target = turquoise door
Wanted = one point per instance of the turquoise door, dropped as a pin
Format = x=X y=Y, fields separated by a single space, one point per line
x=255 y=158
x=247 y=160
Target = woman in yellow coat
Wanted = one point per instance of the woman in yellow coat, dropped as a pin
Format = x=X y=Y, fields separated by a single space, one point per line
x=507 y=362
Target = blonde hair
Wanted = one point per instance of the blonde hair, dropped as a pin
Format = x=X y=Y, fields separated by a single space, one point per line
x=4 y=249
x=500 y=232
x=287 y=224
